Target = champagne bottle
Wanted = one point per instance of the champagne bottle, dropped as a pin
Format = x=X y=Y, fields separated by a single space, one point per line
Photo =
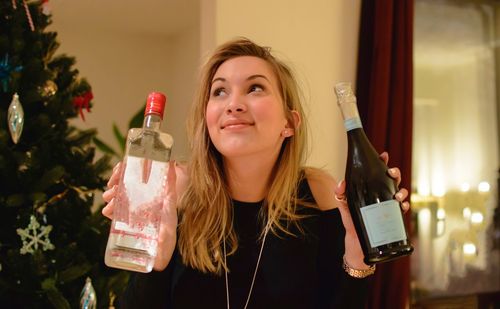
x=370 y=191
x=133 y=238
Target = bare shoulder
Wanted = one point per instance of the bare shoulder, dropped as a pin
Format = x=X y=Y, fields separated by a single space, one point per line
x=322 y=186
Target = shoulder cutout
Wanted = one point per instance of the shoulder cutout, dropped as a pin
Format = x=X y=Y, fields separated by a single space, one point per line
x=322 y=187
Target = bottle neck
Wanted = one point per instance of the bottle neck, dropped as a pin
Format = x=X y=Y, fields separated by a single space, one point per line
x=350 y=113
x=152 y=122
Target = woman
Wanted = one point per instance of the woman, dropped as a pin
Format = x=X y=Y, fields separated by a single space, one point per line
x=245 y=225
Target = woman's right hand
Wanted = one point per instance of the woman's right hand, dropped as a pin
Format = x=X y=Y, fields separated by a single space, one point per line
x=168 y=227
x=109 y=195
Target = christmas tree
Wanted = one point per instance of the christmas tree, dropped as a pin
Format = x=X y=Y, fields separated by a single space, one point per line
x=50 y=239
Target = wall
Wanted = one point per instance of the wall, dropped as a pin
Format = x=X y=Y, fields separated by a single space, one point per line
x=123 y=66
x=318 y=38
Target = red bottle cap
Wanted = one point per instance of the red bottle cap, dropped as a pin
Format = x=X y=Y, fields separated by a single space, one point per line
x=155 y=104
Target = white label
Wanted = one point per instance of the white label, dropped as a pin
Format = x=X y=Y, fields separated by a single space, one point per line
x=384 y=223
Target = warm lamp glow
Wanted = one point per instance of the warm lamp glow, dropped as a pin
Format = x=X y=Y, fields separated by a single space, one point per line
x=483 y=186
x=465 y=187
x=438 y=189
x=424 y=216
x=423 y=189
x=469 y=248
x=441 y=214
x=476 y=217
x=466 y=212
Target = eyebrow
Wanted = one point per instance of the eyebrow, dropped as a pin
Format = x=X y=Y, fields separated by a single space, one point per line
x=251 y=77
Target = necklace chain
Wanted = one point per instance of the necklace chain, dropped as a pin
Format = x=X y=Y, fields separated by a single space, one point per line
x=254 y=273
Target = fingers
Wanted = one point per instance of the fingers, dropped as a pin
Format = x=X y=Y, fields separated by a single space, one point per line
x=384 y=156
x=396 y=174
x=340 y=193
x=107 y=211
x=402 y=194
x=115 y=176
x=109 y=194
x=400 y=197
x=405 y=206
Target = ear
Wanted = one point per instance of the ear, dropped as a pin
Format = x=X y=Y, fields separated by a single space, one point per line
x=290 y=127
x=296 y=119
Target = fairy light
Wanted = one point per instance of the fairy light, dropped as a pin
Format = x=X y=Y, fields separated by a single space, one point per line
x=466 y=212
x=483 y=186
x=476 y=217
x=469 y=248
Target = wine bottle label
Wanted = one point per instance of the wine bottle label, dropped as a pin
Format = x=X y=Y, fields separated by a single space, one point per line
x=352 y=123
x=384 y=223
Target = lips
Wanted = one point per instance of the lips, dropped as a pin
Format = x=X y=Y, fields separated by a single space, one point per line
x=235 y=123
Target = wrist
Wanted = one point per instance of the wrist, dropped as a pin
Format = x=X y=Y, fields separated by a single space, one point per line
x=354 y=255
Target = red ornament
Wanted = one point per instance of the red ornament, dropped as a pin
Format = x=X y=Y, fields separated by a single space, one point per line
x=83 y=101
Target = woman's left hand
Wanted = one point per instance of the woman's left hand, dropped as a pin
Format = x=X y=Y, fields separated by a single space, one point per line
x=353 y=252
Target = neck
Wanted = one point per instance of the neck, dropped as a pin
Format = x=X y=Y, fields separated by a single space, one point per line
x=249 y=178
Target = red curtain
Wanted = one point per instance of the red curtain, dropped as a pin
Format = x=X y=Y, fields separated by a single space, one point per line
x=385 y=99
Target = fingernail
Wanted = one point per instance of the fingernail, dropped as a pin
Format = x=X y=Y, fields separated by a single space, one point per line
x=392 y=171
x=116 y=166
x=399 y=196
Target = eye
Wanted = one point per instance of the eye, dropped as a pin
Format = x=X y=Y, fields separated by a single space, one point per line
x=256 y=88
x=217 y=92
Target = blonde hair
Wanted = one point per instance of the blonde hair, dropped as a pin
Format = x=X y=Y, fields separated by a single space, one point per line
x=206 y=217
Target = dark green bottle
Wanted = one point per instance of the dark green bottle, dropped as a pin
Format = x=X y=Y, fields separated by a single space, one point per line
x=370 y=191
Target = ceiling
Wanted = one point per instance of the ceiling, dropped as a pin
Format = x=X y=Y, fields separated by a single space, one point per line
x=163 y=17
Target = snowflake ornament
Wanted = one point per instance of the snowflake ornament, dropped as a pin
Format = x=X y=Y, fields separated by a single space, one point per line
x=35 y=235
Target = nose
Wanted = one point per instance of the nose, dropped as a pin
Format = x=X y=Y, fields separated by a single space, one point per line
x=235 y=105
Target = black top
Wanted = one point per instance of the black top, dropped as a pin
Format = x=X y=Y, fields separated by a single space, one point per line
x=302 y=271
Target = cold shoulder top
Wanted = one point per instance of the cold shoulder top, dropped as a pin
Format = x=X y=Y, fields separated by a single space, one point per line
x=302 y=271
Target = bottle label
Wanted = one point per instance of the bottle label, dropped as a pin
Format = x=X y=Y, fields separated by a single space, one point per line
x=352 y=123
x=384 y=223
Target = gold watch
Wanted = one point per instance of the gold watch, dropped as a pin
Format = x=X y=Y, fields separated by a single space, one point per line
x=358 y=273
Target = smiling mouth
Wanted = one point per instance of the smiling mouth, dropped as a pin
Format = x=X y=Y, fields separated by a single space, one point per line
x=236 y=125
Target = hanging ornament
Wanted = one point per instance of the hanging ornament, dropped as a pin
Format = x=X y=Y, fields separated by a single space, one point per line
x=88 y=299
x=46 y=8
x=83 y=101
x=35 y=235
x=6 y=70
x=48 y=89
x=15 y=118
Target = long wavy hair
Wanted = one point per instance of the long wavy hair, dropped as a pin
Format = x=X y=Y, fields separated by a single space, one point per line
x=206 y=207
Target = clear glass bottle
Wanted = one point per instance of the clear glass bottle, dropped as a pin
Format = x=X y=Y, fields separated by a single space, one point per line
x=133 y=238
x=370 y=191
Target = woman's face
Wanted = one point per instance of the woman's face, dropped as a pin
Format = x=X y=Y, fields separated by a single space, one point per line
x=244 y=114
